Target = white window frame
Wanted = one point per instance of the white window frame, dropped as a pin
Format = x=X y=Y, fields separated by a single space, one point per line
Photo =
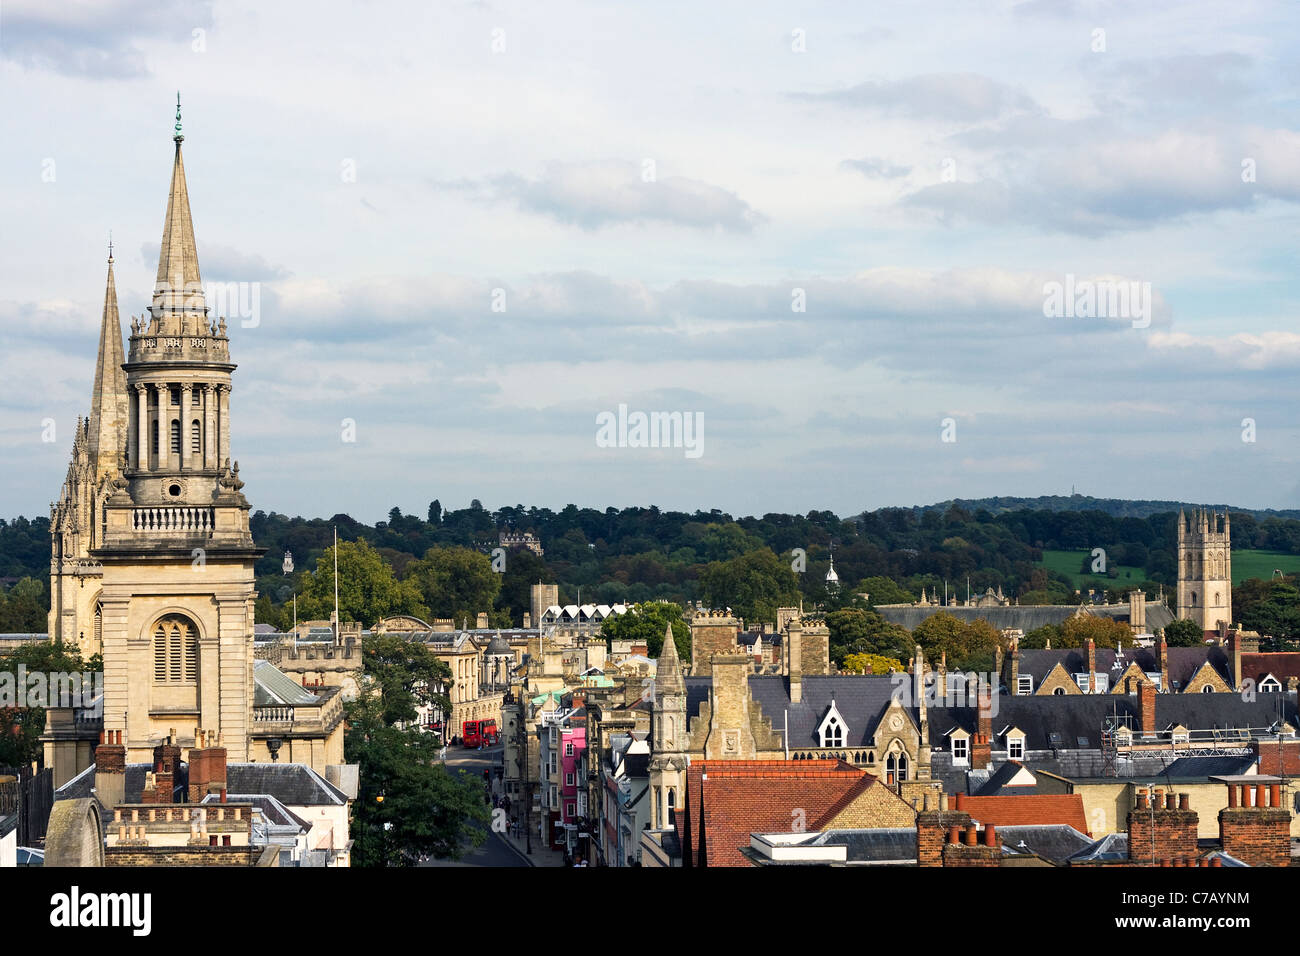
x=960 y=749
x=568 y=748
x=1015 y=748
x=1025 y=685
x=568 y=779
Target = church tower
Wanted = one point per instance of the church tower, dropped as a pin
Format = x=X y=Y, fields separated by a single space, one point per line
x=162 y=535
x=669 y=745
x=1205 y=568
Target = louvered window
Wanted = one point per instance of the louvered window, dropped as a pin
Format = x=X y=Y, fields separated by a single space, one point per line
x=175 y=650
x=176 y=437
x=196 y=438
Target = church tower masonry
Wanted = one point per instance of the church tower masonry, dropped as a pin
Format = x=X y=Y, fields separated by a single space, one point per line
x=169 y=540
x=669 y=744
x=1205 y=568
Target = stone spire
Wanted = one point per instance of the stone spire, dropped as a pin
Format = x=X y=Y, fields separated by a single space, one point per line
x=179 y=287
x=668 y=672
x=109 y=402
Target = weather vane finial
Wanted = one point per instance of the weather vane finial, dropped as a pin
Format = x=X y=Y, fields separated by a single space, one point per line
x=110 y=247
x=178 y=137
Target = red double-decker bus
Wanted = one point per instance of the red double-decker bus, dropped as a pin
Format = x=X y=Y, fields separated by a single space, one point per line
x=479 y=732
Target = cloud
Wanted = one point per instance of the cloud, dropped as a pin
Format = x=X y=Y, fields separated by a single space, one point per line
x=94 y=38
x=960 y=97
x=593 y=195
x=876 y=168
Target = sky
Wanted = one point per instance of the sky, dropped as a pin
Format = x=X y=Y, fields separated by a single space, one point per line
x=829 y=233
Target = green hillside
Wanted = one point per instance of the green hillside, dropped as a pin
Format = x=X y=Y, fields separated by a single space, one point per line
x=1246 y=563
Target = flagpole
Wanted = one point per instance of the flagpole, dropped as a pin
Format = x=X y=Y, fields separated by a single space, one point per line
x=336 y=584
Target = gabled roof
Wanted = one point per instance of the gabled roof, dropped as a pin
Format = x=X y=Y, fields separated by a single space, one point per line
x=1027 y=810
x=728 y=799
x=293 y=784
x=1282 y=664
x=1184 y=662
x=1056 y=842
x=1010 y=777
x=861 y=701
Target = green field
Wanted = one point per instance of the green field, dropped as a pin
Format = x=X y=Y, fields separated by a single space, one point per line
x=1069 y=562
x=1261 y=564
x=1245 y=564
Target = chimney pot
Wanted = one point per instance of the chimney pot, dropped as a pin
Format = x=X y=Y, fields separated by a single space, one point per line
x=1171 y=801
x=1232 y=796
x=954 y=834
x=1184 y=802
x=990 y=835
x=1261 y=795
x=972 y=835
x=1275 y=795
x=1217 y=861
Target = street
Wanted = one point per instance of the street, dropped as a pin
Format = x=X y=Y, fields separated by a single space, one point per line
x=495 y=851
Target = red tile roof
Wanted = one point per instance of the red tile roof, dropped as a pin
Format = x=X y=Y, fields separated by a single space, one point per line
x=729 y=799
x=1022 y=810
x=1281 y=664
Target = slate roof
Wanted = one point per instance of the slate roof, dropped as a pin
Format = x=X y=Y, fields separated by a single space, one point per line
x=1027 y=810
x=996 y=782
x=726 y=800
x=747 y=638
x=1077 y=719
x=1184 y=662
x=860 y=700
x=293 y=784
x=1056 y=842
x=1111 y=848
x=876 y=846
x=1199 y=768
x=1027 y=617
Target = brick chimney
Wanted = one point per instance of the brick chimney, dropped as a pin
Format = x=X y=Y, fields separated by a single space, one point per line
x=110 y=769
x=1147 y=707
x=932 y=831
x=166 y=770
x=207 y=766
x=1255 y=827
x=966 y=848
x=1092 y=666
x=1137 y=610
x=1164 y=664
x=1159 y=831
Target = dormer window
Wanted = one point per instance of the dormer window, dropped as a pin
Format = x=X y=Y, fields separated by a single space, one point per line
x=833 y=729
x=1024 y=685
x=1270 y=685
x=960 y=749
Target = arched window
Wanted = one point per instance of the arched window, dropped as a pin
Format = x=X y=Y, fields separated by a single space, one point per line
x=896 y=766
x=175 y=650
x=1058 y=692
x=196 y=438
x=1207 y=689
x=833 y=734
x=176 y=436
x=99 y=626
x=155 y=436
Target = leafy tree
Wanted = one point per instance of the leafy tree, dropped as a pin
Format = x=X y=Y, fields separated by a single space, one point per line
x=1103 y=631
x=456 y=582
x=883 y=590
x=524 y=568
x=1184 y=633
x=1040 y=637
x=649 y=622
x=409 y=804
x=404 y=675
x=368 y=590
x=753 y=585
x=21 y=727
x=858 y=631
x=871 y=664
x=967 y=644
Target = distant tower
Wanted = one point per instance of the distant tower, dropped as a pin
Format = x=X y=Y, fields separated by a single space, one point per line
x=832 y=579
x=669 y=740
x=1205 y=568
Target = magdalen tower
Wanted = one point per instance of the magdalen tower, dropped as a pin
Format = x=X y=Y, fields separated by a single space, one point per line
x=152 y=555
